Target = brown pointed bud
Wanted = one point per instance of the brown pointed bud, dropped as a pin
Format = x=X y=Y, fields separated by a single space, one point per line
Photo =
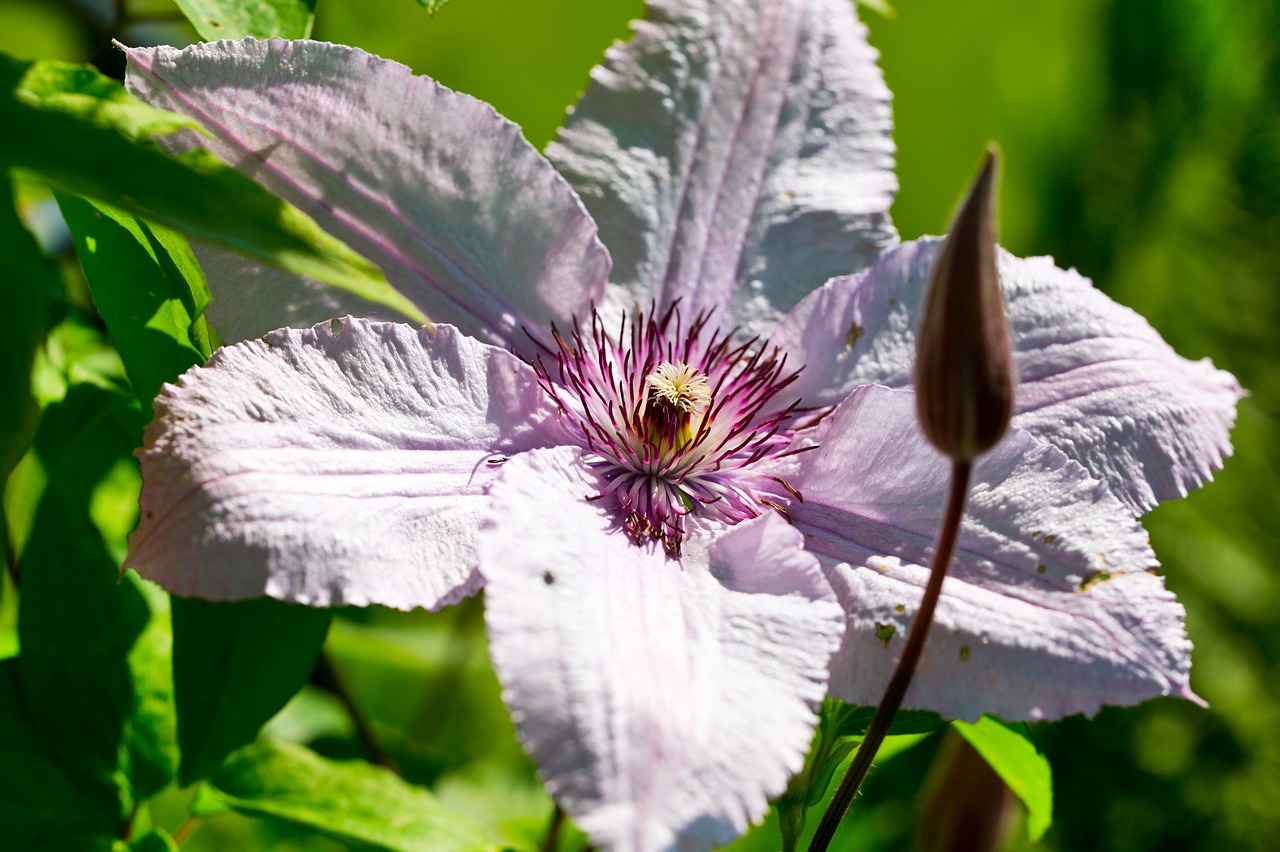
x=964 y=363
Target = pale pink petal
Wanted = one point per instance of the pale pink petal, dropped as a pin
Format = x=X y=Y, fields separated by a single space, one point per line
x=665 y=701
x=1094 y=378
x=736 y=153
x=1050 y=606
x=343 y=464
x=462 y=214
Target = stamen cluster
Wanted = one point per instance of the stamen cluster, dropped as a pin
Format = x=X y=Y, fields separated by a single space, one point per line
x=674 y=419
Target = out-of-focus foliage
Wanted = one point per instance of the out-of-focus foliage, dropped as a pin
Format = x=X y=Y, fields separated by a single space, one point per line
x=1142 y=143
x=215 y=19
x=347 y=800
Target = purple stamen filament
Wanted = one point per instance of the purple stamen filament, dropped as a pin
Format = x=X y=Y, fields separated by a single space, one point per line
x=674 y=420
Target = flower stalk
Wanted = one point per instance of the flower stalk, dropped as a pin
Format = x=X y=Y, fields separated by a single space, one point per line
x=964 y=400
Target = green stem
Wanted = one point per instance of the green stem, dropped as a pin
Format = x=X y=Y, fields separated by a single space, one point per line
x=183 y=832
x=906 y=668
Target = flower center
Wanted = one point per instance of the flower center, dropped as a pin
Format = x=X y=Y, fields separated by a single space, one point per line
x=677 y=421
x=677 y=394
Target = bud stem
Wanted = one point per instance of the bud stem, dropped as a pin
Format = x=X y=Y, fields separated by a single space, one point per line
x=906 y=668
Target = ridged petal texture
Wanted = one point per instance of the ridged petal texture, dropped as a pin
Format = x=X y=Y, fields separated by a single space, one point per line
x=665 y=701
x=343 y=464
x=736 y=154
x=1094 y=378
x=1051 y=606
x=463 y=215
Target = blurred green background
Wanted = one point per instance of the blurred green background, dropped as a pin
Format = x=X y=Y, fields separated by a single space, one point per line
x=1142 y=146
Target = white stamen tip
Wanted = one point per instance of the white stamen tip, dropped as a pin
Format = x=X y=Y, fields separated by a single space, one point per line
x=680 y=386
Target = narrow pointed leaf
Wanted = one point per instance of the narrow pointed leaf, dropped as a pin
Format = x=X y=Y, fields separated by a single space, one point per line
x=148 y=288
x=1019 y=764
x=82 y=133
x=216 y=19
x=350 y=801
x=235 y=665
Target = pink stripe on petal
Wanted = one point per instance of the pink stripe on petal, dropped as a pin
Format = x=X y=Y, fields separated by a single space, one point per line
x=344 y=464
x=736 y=153
x=665 y=701
x=1094 y=379
x=463 y=215
x=1050 y=607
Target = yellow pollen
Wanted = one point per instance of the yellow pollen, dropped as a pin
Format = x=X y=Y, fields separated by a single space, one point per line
x=679 y=386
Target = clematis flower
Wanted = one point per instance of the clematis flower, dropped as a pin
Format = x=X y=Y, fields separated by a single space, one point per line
x=664 y=418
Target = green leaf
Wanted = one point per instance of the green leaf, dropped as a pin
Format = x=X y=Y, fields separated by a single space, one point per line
x=83 y=134
x=150 y=756
x=881 y=7
x=156 y=840
x=148 y=288
x=351 y=801
x=23 y=304
x=215 y=19
x=837 y=737
x=39 y=801
x=853 y=721
x=93 y=660
x=234 y=666
x=824 y=774
x=813 y=788
x=74 y=624
x=1019 y=764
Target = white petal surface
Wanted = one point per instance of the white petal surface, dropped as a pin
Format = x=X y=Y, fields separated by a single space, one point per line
x=1094 y=378
x=344 y=464
x=664 y=701
x=1050 y=607
x=462 y=214
x=736 y=153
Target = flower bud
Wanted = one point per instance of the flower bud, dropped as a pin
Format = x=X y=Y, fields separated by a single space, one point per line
x=964 y=363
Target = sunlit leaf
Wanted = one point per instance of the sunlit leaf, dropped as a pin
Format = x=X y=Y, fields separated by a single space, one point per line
x=1019 y=764
x=215 y=19
x=882 y=7
x=351 y=801
x=148 y=288
x=235 y=665
x=83 y=134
